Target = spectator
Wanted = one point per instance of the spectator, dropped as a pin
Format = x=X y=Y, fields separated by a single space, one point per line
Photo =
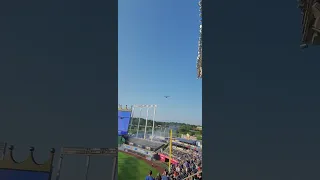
x=188 y=167
x=158 y=177
x=149 y=177
x=165 y=175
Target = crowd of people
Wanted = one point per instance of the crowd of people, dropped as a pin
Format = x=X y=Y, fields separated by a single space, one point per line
x=189 y=166
x=182 y=154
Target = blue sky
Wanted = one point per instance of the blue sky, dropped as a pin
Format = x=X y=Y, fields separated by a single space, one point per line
x=157 y=56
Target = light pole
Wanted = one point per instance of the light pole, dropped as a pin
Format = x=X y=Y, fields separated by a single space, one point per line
x=139 y=121
x=140 y=115
x=132 y=113
x=145 y=128
x=154 y=115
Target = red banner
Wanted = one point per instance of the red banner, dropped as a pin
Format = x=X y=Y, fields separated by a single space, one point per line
x=163 y=158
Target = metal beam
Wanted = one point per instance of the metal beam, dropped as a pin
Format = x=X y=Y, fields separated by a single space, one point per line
x=88 y=152
x=3 y=148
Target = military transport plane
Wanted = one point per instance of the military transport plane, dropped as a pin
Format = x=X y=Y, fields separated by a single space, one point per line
x=310 y=10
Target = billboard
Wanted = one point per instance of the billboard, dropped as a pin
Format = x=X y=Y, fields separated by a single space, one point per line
x=163 y=158
x=123 y=121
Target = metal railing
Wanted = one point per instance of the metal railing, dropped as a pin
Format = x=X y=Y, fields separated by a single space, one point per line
x=192 y=175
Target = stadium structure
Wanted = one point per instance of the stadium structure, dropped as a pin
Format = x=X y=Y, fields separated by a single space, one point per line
x=199 y=57
x=310 y=11
x=10 y=169
x=154 y=148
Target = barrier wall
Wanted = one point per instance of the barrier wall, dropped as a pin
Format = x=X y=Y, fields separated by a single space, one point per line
x=138 y=150
x=163 y=158
x=124 y=117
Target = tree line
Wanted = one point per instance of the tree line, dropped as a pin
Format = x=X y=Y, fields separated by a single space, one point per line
x=180 y=128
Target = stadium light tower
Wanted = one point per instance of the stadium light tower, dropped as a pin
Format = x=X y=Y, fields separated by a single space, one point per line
x=145 y=127
x=148 y=107
x=153 y=118
x=140 y=109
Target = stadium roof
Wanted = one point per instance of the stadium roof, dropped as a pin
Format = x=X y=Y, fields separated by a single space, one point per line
x=186 y=141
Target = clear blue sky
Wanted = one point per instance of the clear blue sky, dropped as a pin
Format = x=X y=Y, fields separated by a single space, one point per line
x=158 y=43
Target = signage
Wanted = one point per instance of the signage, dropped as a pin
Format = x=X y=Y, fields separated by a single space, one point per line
x=90 y=151
x=139 y=150
x=163 y=157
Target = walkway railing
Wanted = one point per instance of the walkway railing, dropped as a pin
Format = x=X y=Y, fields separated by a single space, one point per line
x=187 y=178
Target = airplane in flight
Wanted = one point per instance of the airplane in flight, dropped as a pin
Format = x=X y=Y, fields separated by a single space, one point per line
x=166 y=97
x=310 y=10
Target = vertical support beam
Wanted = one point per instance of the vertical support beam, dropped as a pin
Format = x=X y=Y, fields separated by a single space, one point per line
x=145 y=128
x=114 y=171
x=154 y=116
x=3 y=153
x=170 y=149
x=87 y=167
x=131 y=118
x=139 y=121
x=59 y=167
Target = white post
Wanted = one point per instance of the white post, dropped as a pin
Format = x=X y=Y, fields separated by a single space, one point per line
x=131 y=118
x=145 y=128
x=154 y=115
x=87 y=167
x=114 y=171
x=139 y=121
x=59 y=167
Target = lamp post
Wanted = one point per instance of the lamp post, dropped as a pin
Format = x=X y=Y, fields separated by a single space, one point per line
x=145 y=128
x=154 y=115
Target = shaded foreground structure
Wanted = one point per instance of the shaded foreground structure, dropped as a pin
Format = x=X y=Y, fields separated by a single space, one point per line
x=10 y=169
x=88 y=152
x=199 y=57
x=310 y=10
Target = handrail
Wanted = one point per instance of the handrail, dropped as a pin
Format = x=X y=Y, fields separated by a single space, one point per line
x=192 y=175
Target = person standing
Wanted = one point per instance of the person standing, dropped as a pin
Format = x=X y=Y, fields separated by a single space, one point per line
x=149 y=177
x=165 y=176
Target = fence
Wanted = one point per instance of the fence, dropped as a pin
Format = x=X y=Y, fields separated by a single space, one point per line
x=187 y=178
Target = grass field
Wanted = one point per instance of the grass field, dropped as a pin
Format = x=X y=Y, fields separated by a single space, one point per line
x=130 y=167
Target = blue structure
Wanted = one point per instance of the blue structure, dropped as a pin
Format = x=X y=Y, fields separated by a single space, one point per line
x=27 y=169
x=124 y=116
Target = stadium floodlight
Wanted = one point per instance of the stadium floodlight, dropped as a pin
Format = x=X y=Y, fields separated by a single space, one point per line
x=145 y=127
x=147 y=107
